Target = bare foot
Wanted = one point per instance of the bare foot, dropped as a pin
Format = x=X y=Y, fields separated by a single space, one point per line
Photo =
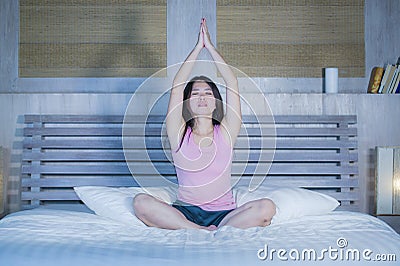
x=211 y=228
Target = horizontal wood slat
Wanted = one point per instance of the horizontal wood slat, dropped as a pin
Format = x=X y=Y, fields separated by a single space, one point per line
x=160 y=155
x=71 y=195
x=241 y=143
x=117 y=131
x=118 y=181
x=65 y=119
x=168 y=169
x=277 y=119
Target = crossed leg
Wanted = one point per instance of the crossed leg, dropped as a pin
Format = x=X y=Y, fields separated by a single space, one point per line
x=253 y=213
x=156 y=213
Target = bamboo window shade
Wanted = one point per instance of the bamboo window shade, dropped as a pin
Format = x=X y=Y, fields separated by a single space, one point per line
x=92 y=38
x=292 y=38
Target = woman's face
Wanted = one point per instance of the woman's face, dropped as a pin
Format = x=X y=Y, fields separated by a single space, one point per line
x=202 y=100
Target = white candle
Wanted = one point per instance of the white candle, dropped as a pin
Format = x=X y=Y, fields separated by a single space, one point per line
x=331 y=80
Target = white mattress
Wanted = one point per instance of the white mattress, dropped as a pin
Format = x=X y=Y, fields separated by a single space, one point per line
x=59 y=237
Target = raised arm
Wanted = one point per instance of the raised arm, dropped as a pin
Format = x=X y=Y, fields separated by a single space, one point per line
x=233 y=115
x=174 y=121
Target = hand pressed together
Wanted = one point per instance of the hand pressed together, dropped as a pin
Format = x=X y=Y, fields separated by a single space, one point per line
x=204 y=36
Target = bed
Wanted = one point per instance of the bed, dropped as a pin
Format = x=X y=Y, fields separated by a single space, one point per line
x=77 y=189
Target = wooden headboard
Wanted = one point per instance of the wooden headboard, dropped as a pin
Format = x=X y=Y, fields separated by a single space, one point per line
x=62 y=151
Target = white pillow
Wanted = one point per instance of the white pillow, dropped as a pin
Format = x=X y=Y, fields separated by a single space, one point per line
x=116 y=203
x=291 y=202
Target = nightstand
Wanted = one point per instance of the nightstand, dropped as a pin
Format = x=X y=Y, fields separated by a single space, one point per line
x=391 y=219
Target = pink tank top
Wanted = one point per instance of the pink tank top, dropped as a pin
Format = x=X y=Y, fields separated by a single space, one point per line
x=204 y=173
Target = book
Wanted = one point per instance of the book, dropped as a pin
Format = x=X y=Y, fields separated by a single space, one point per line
x=375 y=79
x=393 y=86
x=384 y=78
x=388 y=81
x=395 y=82
x=397 y=85
x=398 y=88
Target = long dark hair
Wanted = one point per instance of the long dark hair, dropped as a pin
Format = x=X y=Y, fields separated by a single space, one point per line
x=218 y=113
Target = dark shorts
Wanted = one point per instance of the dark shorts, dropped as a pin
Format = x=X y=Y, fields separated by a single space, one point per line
x=199 y=216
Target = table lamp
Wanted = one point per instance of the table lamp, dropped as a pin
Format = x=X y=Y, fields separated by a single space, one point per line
x=387 y=180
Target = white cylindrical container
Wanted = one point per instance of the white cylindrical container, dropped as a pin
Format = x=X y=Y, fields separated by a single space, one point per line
x=331 y=80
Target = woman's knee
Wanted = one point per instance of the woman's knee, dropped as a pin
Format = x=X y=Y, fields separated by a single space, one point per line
x=266 y=209
x=141 y=203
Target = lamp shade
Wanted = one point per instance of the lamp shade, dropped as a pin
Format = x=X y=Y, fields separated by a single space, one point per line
x=387 y=180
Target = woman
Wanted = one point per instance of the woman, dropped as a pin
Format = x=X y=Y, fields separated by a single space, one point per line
x=202 y=139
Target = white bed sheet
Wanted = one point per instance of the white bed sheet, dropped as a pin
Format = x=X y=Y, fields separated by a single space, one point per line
x=59 y=237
